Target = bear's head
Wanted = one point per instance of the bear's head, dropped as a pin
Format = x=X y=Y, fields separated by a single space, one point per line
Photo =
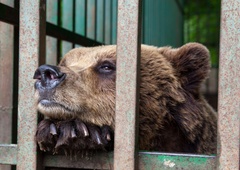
x=83 y=86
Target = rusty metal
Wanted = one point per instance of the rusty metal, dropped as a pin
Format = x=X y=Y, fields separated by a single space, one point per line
x=29 y=54
x=128 y=58
x=8 y=154
x=229 y=87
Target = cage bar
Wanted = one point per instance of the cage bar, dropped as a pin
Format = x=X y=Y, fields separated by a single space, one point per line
x=8 y=154
x=147 y=160
x=32 y=13
x=6 y=82
x=52 y=17
x=31 y=48
x=128 y=58
x=229 y=87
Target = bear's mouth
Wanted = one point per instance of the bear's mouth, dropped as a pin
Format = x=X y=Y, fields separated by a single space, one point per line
x=48 y=104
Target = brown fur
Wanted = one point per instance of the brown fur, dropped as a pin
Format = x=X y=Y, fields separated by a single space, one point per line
x=174 y=117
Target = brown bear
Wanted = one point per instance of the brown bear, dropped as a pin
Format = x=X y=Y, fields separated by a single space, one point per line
x=78 y=99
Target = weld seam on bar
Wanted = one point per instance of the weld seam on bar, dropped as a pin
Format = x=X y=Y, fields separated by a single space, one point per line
x=128 y=59
x=229 y=87
x=8 y=154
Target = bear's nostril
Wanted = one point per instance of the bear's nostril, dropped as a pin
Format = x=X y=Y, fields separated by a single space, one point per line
x=49 y=76
x=37 y=75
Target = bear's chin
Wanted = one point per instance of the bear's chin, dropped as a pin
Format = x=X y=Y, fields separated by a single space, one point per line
x=55 y=110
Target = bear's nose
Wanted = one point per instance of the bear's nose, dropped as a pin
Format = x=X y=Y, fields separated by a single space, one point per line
x=49 y=76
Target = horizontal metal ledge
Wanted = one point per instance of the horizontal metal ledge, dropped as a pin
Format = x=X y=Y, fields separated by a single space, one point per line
x=147 y=160
x=8 y=154
x=11 y=15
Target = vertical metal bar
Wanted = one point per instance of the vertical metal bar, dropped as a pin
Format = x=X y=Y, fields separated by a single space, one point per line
x=51 y=43
x=30 y=51
x=143 y=22
x=104 y=11
x=114 y=22
x=15 y=77
x=99 y=19
x=59 y=23
x=127 y=86
x=80 y=17
x=74 y=19
x=67 y=23
x=229 y=86
x=107 y=20
x=111 y=21
x=91 y=19
x=6 y=82
x=95 y=21
x=86 y=18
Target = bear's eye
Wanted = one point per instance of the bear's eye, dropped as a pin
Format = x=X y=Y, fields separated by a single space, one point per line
x=106 y=68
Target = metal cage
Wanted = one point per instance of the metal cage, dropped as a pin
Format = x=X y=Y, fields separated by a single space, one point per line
x=27 y=20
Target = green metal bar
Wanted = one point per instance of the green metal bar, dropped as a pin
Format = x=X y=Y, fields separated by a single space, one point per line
x=8 y=154
x=52 y=12
x=91 y=19
x=80 y=17
x=155 y=160
x=107 y=22
x=147 y=160
x=229 y=87
x=100 y=18
x=114 y=22
x=74 y=19
x=52 y=17
x=59 y=24
x=67 y=23
x=128 y=60
x=30 y=50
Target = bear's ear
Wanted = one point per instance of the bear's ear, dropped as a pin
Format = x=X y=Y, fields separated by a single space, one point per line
x=191 y=63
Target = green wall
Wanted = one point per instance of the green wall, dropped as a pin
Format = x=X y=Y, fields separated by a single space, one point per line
x=162 y=21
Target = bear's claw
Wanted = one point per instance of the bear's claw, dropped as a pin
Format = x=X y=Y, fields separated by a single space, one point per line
x=73 y=135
